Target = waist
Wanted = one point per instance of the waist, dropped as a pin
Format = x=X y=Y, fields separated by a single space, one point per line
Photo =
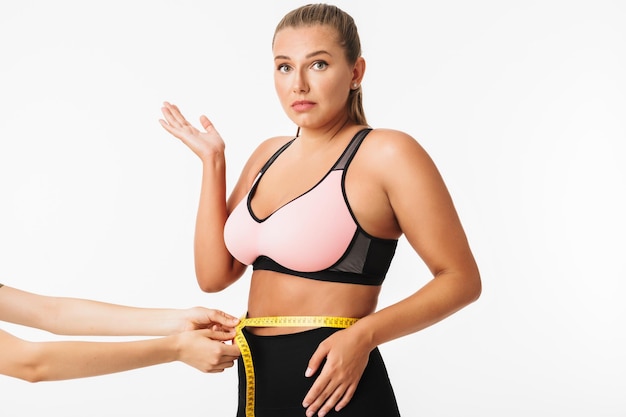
x=300 y=323
x=248 y=397
x=274 y=294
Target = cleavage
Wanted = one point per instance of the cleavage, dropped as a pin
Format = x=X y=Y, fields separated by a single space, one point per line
x=285 y=181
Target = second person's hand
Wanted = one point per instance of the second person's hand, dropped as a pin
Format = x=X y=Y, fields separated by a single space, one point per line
x=207 y=318
x=207 y=350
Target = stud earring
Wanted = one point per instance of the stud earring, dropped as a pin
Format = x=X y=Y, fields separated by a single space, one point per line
x=355 y=86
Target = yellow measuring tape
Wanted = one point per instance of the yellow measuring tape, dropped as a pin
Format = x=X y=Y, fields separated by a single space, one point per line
x=277 y=321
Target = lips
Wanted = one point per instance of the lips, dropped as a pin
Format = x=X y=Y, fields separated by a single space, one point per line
x=302 y=105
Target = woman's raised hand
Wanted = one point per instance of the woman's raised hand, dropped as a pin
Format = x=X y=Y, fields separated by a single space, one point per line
x=204 y=144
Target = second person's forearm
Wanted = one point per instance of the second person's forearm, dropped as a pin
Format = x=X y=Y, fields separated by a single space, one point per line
x=50 y=361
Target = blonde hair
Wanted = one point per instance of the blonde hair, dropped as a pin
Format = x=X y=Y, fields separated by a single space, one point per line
x=348 y=37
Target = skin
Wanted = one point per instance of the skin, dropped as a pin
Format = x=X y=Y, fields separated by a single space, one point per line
x=411 y=200
x=195 y=336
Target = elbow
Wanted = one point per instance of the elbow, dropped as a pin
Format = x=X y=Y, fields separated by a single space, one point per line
x=215 y=281
x=474 y=287
x=466 y=287
x=26 y=361
x=31 y=370
x=215 y=278
x=210 y=286
x=32 y=376
x=36 y=367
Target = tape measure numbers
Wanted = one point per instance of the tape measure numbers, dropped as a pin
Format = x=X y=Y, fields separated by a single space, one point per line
x=277 y=321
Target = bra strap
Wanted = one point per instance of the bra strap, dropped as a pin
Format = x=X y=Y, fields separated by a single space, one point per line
x=348 y=154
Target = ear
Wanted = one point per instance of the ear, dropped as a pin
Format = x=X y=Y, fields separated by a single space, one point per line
x=358 y=71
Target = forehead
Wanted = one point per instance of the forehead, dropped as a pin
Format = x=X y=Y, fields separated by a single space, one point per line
x=292 y=41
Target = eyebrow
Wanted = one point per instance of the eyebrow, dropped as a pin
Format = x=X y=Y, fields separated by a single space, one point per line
x=311 y=55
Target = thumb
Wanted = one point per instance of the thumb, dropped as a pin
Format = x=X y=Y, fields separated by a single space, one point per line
x=218 y=334
x=219 y=317
x=206 y=123
x=316 y=360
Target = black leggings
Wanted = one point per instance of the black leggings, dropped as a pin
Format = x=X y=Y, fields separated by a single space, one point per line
x=279 y=365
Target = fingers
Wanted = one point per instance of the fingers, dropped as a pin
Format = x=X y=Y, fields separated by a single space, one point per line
x=221 y=334
x=203 y=351
x=337 y=377
x=219 y=317
x=175 y=123
x=346 y=398
x=218 y=367
x=332 y=396
x=313 y=400
x=224 y=357
x=232 y=351
x=170 y=120
x=205 y=122
x=173 y=115
x=316 y=360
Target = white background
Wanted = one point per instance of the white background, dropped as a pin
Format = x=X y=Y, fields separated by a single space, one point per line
x=521 y=104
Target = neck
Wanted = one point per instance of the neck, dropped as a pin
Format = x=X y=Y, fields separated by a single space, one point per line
x=326 y=135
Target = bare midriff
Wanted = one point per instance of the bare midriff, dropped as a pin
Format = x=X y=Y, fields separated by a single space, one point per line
x=276 y=294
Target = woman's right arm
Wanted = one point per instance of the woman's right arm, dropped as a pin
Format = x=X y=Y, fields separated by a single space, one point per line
x=215 y=267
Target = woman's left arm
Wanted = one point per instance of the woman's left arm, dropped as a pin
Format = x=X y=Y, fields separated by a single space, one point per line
x=426 y=215
x=428 y=219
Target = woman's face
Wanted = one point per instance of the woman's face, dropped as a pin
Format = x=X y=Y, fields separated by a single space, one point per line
x=311 y=75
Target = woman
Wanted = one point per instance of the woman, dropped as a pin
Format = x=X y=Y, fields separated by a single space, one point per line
x=319 y=216
x=195 y=336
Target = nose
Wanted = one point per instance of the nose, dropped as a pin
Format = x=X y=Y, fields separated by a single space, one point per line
x=300 y=84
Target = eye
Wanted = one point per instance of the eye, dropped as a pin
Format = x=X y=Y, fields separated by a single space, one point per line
x=319 y=65
x=284 y=68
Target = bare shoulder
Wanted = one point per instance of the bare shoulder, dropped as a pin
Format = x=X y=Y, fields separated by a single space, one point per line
x=264 y=152
x=388 y=147
x=251 y=169
x=269 y=146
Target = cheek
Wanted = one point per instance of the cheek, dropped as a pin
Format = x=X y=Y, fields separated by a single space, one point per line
x=339 y=93
x=281 y=87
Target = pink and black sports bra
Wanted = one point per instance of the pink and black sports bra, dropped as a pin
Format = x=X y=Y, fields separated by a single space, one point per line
x=313 y=236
